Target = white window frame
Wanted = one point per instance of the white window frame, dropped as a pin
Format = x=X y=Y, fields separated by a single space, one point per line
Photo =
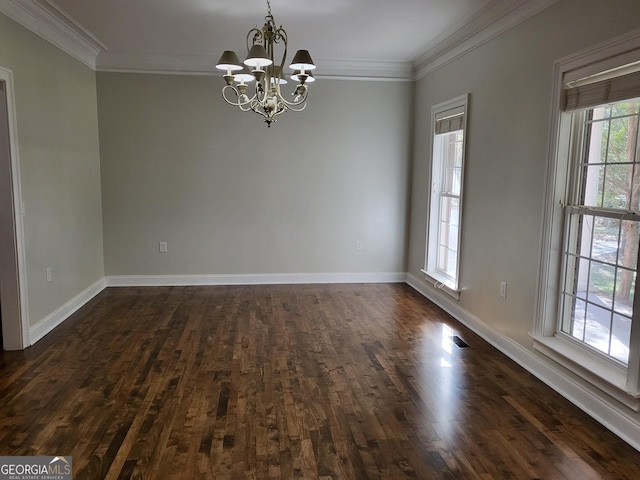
x=622 y=383
x=457 y=109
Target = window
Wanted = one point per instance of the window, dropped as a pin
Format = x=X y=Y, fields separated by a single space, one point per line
x=588 y=315
x=602 y=223
x=442 y=256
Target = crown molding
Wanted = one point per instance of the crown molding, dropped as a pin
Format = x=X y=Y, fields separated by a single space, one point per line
x=486 y=24
x=123 y=62
x=53 y=24
x=365 y=70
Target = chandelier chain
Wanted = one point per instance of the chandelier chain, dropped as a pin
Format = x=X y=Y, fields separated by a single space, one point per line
x=269 y=9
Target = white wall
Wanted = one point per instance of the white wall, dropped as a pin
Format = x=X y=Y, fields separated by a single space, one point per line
x=231 y=196
x=56 y=106
x=510 y=81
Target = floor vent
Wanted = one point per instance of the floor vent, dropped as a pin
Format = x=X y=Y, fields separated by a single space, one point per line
x=459 y=342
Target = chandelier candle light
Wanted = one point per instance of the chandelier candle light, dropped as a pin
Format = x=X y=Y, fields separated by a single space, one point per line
x=267 y=99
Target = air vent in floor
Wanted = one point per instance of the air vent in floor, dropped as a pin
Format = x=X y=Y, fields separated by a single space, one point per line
x=459 y=342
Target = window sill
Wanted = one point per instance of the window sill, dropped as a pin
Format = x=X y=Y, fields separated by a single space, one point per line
x=442 y=283
x=608 y=377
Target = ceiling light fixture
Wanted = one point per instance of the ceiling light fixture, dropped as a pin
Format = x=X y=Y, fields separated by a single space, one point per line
x=267 y=99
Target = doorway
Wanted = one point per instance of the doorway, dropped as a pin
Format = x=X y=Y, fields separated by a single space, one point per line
x=13 y=306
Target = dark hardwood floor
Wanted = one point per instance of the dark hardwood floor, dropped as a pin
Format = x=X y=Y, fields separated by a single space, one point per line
x=305 y=381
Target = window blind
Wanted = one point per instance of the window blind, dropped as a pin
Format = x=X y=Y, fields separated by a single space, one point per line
x=602 y=92
x=450 y=121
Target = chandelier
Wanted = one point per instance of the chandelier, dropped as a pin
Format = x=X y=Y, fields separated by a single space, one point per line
x=267 y=99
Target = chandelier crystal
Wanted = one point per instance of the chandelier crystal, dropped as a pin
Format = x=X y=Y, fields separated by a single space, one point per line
x=260 y=66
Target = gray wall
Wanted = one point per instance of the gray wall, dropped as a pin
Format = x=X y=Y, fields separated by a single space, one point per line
x=510 y=81
x=57 y=129
x=231 y=196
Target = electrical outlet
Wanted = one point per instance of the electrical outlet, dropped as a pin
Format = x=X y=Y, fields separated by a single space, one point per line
x=49 y=274
x=163 y=247
x=503 y=289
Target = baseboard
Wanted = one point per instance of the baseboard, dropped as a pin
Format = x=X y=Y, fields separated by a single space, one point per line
x=54 y=319
x=253 y=279
x=617 y=418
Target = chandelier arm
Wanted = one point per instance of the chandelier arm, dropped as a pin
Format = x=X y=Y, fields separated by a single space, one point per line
x=282 y=34
x=297 y=107
x=302 y=103
x=237 y=102
x=257 y=36
x=257 y=108
x=302 y=100
x=283 y=108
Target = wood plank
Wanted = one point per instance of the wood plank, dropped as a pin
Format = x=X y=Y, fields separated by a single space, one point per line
x=300 y=381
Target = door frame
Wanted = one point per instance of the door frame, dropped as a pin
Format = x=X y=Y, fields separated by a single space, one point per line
x=15 y=313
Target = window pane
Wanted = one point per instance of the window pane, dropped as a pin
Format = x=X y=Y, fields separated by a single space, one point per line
x=612 y=179
x=621 y=335
x=585 y=235
x=453 y=237
x=442 y=258
x=578 y=324
x=601 y=279
x=592 y=195
x=597 y=327
x=617 y=186
x=448 y=235
x=459 y=136
x=450 y=210
x=452 y=163
x=605 y=239
x=453 y=264
x=619 y=129
x=447 y=261
x=635 y=189
x=625 y=288
x=629 y=107
x=609 y=186
x=582 y=276
x=451 y=181
x=601 y=112
x=629 y=244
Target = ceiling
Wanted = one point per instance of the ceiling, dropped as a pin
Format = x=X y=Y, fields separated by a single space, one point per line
x=353 y=38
